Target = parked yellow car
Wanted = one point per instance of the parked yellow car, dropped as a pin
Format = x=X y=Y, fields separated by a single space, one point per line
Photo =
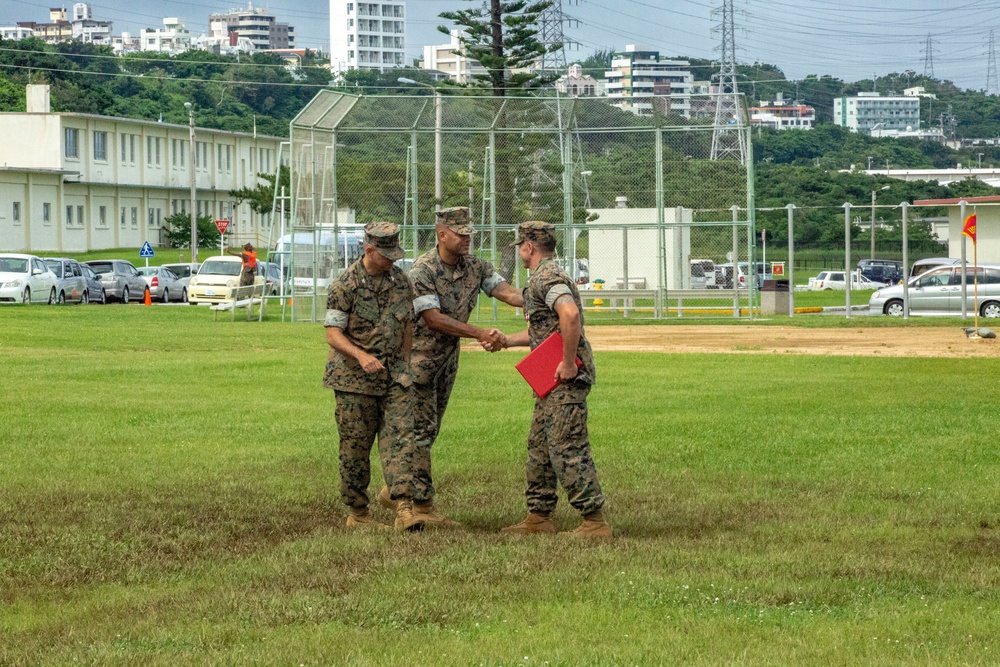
x=215 y=277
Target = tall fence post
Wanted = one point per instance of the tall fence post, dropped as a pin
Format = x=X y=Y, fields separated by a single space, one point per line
x=847 y=258
x=961 y=217
x=660 y=222
x=906 y=260
x=791 y=260
x=736 y=264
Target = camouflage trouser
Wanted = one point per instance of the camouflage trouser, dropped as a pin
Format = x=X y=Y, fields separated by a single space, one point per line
x=360 y=418
x=429 y=404
x=559 y=449
x=247 y=276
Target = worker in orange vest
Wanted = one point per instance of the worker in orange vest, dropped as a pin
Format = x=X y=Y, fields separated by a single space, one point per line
x=249 y=268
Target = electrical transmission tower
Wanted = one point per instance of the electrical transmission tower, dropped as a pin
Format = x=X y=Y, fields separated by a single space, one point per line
x=727 y=135
x=550 y=31
x=992 y=79
x=929 y=57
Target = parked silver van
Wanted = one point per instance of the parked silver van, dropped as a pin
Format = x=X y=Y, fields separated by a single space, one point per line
x=939 y=292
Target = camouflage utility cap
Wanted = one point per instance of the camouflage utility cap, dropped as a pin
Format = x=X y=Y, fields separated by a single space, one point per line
x=537 y=231
x=456 y=219
x=384 y=237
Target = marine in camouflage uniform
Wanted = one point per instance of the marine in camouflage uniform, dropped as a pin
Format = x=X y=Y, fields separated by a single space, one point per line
x=446 y=283
x=369 y=327
x=558 y=442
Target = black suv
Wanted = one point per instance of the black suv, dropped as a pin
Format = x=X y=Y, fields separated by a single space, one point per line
x=885 y=271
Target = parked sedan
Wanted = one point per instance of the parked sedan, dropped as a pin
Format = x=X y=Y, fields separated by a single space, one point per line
x=939 y=292
x=95 y=290
x=71 y=284
x=163 y=284
x=120 y=279
x=837 y=280
x=26 y=279
x=184 y=272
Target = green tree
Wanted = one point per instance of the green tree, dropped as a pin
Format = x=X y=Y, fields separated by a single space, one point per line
x=261 y=196
x=177 y=229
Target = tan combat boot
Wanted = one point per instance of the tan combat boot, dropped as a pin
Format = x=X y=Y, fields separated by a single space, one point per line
x=359 y=517
x=385 y=500
x=593 y=527
x=534 y=523
x=431 y=516
x=406 y=518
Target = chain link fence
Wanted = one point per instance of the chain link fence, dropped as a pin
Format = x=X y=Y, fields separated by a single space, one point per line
x=639 y=205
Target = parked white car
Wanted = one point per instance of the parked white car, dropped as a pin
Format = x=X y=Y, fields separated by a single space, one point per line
x=26 y=279
x=836 y=280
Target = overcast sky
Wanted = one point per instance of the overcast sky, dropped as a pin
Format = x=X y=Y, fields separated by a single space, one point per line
x=851 y=39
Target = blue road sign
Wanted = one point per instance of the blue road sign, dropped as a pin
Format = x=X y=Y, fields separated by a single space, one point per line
x=146 y=251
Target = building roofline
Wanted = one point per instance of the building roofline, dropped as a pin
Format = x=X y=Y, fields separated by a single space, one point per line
x=141 y=121
x=989 y=199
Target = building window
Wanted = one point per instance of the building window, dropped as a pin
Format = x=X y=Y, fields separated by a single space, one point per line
x=135 y=217
x=79 y=215
x=159 y=217
x=102 y=216
x=157 y=143
x=123 y=218
x=151 y=217
x=100 y=145
x=350 y=7
x=47 y=213
x=131 y=148
x=71 y=136
x=173 y=152
x=229 y=161
x=17 y=213
x=69 y=216
x=124 y=147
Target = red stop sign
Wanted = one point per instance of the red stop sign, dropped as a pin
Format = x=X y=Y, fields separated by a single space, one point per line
x=222 y=225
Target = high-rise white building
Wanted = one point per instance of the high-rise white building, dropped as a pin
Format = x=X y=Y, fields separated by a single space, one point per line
x=870 y=113
x=640 y=73
x=367 y=35
x=255 y=24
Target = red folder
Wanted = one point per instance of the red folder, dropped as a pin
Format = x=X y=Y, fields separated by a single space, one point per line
x=539 y=367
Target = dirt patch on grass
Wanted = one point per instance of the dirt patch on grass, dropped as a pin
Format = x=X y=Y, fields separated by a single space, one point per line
x=880 y=342
x=887 y=342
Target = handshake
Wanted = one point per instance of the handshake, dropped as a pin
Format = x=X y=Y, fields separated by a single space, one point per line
x=493 y=340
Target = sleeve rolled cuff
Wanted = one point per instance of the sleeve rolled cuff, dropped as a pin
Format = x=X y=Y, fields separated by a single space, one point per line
x=555 y=292
x=335 y=318
x=422 y=303
x=490 y=283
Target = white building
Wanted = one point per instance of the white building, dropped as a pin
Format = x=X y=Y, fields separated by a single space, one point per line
x=254 y=23
x=367 y=35
x=16 y=32
x=75 y=182
x=640 y=73
x=779 y=115
x=577 y=84
x=450 y=59
x=174 y=38
x=868 y=112
x=86 y=29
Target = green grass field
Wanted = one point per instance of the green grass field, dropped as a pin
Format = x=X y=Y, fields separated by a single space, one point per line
x=168 y=497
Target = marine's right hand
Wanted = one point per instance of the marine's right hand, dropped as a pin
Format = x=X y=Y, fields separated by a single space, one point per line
x=369 y=363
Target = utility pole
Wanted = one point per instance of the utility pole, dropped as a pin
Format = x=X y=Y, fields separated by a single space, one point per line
x=992 y=82
x=727 y=135
x=194 y=194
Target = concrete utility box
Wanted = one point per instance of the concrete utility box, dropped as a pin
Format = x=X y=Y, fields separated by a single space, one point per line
x=774 y=297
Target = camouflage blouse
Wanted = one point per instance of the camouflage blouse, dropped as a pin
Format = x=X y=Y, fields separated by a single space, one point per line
x=454 y=290
x=546 y=284
x=373 y=312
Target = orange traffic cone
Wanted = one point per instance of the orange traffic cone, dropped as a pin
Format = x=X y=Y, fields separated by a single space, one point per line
x=147 y=300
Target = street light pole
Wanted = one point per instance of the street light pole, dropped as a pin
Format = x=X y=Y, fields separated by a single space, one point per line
x=194 y=194
x=438 y=184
